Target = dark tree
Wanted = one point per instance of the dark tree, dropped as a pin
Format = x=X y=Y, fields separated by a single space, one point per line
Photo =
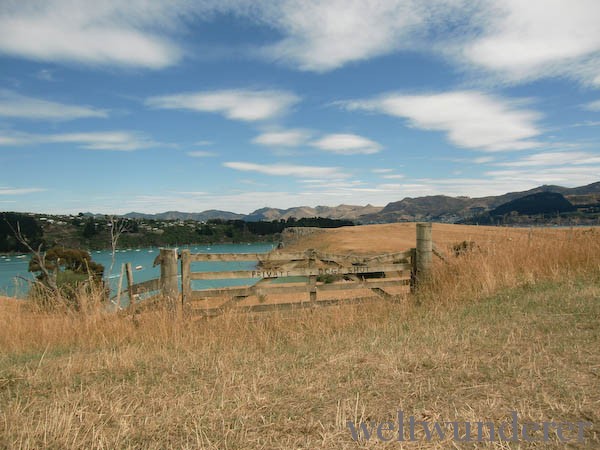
x=29 y=227
x=90 y=229
x=71 y=259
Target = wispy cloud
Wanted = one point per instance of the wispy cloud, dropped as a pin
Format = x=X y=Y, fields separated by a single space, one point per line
x=127 y=34
x=18 y=106
x=282 y=138
x=347 y=144
x=483 y=160
x=19 y=191
x=470 y=119
x=322 y=36
x=238 y=104
x=201 y=154
x=45 y=75
x=554 y=159
x=512 y=40
x=291 y=170
x=567 y=176
x=333 y=183
x=99 y=140
x=593 y=106
x=520 y=40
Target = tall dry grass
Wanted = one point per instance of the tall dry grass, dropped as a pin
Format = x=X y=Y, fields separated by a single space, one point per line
x=539 y=255
x=501 y=328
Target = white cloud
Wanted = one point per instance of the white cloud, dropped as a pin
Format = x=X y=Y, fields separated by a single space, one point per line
x=593 y=106
x=574 y=175
x=285 y=138
x=192 y=193
x=240 y=104
x=10 y=140
x=483 y=160
x=19 y=191
x=100 y=140
x=513 y=40
x=333 y=183
x=471 y=119
x=19 y=106
x=382 y=170
x=201 y=154
x=347 y=144
x=102 y=32
x=394 y=176
x=291 y=170
x=520 y=40
x=103 y=140
x=321 y=36
x=554 y=159
x=45 y=75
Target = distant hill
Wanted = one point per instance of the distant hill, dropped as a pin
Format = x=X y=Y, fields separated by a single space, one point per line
x=538 y=203
x=444 y=208
x=349 y=212
x=440 y=208
x=177 y=215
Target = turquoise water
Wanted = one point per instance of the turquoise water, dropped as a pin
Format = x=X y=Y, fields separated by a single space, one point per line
x=14 y=266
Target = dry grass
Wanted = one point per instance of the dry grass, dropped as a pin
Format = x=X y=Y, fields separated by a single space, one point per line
x=511 y=327
x=397 y=237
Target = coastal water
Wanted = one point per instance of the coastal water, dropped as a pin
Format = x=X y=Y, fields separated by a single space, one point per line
x=13 y=268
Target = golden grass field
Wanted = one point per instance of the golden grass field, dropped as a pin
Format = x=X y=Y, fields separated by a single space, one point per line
x=513 y=325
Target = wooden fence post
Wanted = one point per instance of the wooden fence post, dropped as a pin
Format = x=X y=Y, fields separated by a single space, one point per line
x=120 y=287
x=424 y=252
x=312 y=279
x=169 y=287
x=186 y=282
x=129 y=274
x=413 y=270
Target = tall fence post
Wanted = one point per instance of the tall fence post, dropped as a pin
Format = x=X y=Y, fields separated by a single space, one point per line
x=130 y=294
x=120 y=287
x=423 y=252
x=186 y=284
x=312 y=279
x=169 y=287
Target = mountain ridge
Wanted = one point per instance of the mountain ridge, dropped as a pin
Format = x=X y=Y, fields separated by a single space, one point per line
x=428 y=208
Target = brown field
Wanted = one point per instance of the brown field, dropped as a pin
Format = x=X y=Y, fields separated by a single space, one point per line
x=513 y=325
x=397 y=237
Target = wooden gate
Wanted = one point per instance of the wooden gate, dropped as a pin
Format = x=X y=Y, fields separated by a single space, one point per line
x=319 y=272
x=283 y=280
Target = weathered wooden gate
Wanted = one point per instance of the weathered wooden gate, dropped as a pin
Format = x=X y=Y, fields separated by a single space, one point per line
x=273 y=283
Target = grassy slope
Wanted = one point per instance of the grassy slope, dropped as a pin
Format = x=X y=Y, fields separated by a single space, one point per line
x=520 y=339
x=397 y=237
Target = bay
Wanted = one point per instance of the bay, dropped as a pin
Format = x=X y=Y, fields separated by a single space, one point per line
x=13 y=267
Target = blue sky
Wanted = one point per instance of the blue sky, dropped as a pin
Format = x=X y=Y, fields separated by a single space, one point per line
x=111 y=106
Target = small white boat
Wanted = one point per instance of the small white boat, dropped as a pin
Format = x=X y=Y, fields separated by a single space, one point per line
x=138 y=267
x=137 y=250
x=21 y=256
